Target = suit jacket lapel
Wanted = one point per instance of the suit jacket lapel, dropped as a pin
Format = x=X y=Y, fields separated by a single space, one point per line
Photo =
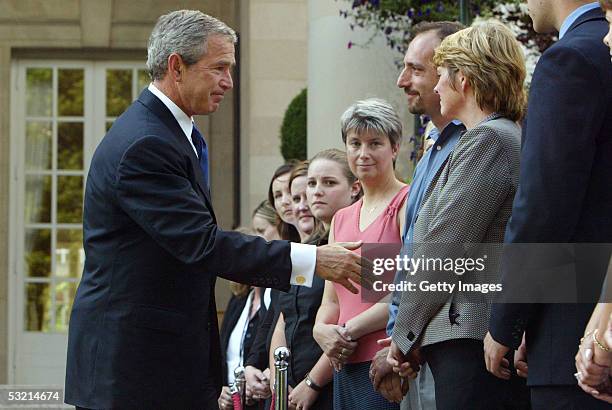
x=591 y=15
x=163 y=113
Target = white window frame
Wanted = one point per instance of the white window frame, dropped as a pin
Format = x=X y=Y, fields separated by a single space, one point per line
x=94 y=128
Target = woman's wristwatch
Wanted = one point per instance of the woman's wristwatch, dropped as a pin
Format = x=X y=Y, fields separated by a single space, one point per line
x=312 y=384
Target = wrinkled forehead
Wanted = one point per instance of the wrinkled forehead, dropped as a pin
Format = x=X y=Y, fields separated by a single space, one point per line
x=421 y=48
x=220 y=48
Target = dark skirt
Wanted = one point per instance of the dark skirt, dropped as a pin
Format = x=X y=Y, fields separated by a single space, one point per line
x=353 y=390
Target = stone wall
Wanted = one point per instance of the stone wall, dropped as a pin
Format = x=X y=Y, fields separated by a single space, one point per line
x=274 y=63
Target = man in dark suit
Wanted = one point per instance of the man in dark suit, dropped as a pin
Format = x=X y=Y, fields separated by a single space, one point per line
x=564 y=194
x=143 y=331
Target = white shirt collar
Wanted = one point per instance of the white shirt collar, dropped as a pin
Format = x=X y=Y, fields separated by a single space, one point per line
x=183 y=120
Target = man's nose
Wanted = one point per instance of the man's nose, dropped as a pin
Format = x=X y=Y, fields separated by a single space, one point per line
x=403 y=81
x=226 y=82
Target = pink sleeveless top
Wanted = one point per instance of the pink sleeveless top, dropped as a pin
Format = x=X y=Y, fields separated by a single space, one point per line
x=383 y=229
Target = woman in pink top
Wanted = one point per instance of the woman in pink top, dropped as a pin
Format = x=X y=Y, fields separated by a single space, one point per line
x=371 y=131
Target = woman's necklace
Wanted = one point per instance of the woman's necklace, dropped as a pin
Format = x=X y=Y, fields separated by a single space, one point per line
x=371 y=209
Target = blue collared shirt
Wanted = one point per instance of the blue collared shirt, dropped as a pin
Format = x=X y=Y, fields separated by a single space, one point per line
x=426 y=170
x=569 y=20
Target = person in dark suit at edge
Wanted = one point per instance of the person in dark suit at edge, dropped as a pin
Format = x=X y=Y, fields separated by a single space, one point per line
x=564 y=196
x=143 y=329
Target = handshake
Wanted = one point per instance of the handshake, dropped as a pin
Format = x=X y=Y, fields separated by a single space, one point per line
x=390 y=370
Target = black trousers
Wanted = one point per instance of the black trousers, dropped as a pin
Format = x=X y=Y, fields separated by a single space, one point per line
x=564 y=398
x=463 y=382
x=209 y=397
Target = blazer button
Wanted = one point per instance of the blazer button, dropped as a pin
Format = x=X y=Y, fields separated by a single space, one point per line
x=410 y=336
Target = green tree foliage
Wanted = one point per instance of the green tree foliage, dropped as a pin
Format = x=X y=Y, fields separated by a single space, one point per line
x=293 y=129
x=394 y=18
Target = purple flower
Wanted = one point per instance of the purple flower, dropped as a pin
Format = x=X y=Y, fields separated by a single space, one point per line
x=349 y=45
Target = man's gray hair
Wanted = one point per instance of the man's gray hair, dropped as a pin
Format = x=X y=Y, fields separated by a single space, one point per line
x=184 y=32
x=372 y=115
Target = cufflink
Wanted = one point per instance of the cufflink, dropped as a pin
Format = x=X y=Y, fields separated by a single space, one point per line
x=410 y=336
x=300 y=280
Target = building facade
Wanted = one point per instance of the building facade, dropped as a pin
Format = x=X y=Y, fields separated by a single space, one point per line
x=68 y=68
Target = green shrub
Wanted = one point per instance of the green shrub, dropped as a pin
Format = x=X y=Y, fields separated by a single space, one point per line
x=293 y=130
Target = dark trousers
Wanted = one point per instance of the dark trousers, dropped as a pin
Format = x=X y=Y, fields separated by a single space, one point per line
x=463 y=382
x=564 y=398
x=209 y=396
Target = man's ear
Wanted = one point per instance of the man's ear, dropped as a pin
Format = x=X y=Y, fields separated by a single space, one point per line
x=176 y=67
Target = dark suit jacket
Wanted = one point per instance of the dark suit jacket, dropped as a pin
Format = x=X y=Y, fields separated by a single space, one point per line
x=235 y=306
x=565 y=190
x=143 y=330
x=259 y=356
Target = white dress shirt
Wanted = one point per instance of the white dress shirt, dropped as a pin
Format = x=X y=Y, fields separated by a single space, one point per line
x=303 y=257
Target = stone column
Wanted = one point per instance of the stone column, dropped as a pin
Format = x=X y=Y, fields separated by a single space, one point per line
x=273 y=67
x=339 y=76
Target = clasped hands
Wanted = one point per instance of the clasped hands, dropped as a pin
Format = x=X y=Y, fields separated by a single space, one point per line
x=336 y=343
x=594 y=374
x=257 y=383
x=390 y=369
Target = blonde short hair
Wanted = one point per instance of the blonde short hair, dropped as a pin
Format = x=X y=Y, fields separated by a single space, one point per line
x=493 y=63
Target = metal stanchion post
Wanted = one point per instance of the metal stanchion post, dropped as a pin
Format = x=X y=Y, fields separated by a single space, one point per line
x=240 y=382
x=235 y=396
x=281 y=361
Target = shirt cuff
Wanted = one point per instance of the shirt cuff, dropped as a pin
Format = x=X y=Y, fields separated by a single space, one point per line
x=303 y=261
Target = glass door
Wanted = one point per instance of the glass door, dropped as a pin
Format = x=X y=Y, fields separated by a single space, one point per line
x=60 y=112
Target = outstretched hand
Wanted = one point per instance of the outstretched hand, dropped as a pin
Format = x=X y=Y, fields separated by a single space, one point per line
x=338 y=263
